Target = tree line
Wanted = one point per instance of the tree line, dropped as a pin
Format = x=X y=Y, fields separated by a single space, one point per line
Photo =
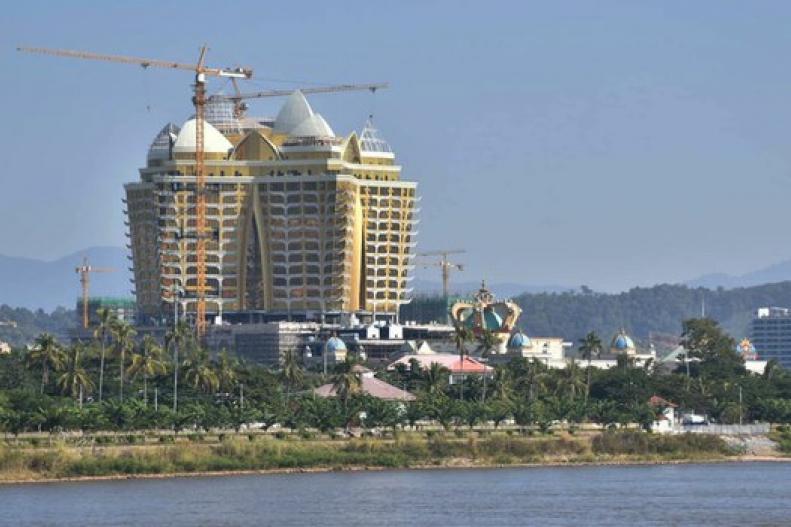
x=641 y=310
x=118 y=382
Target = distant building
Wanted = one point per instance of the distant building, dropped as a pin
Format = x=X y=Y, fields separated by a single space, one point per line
x=458 y=369
x=665 y=420
x=5 y=347
x=369 y=385
x=303 y=221
x=264 y=343
x=770 y=334
x=122 y=308
x=549 y=350
x=622 y=345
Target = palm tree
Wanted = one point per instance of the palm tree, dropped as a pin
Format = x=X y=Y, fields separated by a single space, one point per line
x=177 y=337
x=487 y=342
x=503 y=384
x=434 y=378
x=292 y=370
x=45 y=354
x=198 y=370
x=106 y=321
x=148 y=363
x=75 y=381
x=590 y=345
x=225 y=368
x=346 y=382
x=570 y=381
x=533 y=379
x=772 y=369
x=124 y=336
x=461 y=336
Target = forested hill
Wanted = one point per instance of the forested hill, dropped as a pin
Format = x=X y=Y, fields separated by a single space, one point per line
x=641 y=310
x=19 y=326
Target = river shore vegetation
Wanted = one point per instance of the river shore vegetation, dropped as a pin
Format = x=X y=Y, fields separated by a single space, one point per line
x=199 y=453
x=117 y=401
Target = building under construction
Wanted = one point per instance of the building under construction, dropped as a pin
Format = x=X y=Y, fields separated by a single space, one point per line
x=302 y=224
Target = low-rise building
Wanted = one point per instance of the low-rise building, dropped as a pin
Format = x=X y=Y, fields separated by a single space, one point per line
x=369 y=385
x=458 y=369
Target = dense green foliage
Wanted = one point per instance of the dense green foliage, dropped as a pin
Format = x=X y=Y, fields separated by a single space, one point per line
x=19 y=326
x=256 y=452
x=52 y=388
x=641 y=310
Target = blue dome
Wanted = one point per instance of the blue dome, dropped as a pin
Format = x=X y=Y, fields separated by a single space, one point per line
x=491 y=320
x=622 y=342
x=519 y=340
x=334 y=344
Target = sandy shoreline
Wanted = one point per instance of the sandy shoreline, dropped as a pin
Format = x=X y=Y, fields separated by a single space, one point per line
x=461 y=465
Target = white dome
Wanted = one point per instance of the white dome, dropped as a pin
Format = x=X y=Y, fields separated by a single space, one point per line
x=213 y=141
x=295 y=110
x=313 y=126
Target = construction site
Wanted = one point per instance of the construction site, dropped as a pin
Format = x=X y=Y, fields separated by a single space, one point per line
x=266 y=233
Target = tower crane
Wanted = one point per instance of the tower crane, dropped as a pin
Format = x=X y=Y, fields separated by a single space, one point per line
x=201 y=72
x=85 y=271
x=238 y=98
x=445 y=266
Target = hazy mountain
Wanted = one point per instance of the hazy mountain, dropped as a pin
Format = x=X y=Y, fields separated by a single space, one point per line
x=778 y=272
x=31 y=283
x=500 y=289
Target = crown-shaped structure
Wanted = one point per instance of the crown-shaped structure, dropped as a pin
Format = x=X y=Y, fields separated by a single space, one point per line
x=484 y=312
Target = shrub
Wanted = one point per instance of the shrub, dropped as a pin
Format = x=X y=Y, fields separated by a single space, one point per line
x=640 y=443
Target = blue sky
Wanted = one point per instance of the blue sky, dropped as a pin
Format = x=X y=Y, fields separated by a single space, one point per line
x=608 y=143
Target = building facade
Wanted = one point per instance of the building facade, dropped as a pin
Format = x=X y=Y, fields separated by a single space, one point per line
x=770 y=334
x=300 y=220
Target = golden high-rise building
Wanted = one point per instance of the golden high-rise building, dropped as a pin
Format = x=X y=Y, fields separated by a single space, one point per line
x=301 y=220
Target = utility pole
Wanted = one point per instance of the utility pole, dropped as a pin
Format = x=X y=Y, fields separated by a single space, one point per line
x=740 y=405
x=241 y=396
x=175 y=374
x=156 y=399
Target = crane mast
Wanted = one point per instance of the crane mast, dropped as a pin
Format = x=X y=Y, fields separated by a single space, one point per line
x=199 y=101
x=445 y=266
x=85 y=271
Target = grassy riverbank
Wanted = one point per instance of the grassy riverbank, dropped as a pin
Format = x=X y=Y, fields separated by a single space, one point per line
x=253 y=453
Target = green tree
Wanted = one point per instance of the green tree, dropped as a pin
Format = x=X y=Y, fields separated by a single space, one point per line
x=177 y=338
x=124 y=337
x=503 y=384
x=102 y=331
x=292 y=370
x=346 y=382
x=434 y=378
x=570 y=381
x=590 y=346
x=148 y=362
x=487 y=342
x=225 y=368
x=461 y=336
x=198 y=371
x=46 y=355
x=716 y=350
x=75 y=380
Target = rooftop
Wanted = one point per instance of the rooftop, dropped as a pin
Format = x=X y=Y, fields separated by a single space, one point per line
x=370 y=386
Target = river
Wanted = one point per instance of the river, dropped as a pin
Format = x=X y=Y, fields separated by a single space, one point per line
x=716 y=494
